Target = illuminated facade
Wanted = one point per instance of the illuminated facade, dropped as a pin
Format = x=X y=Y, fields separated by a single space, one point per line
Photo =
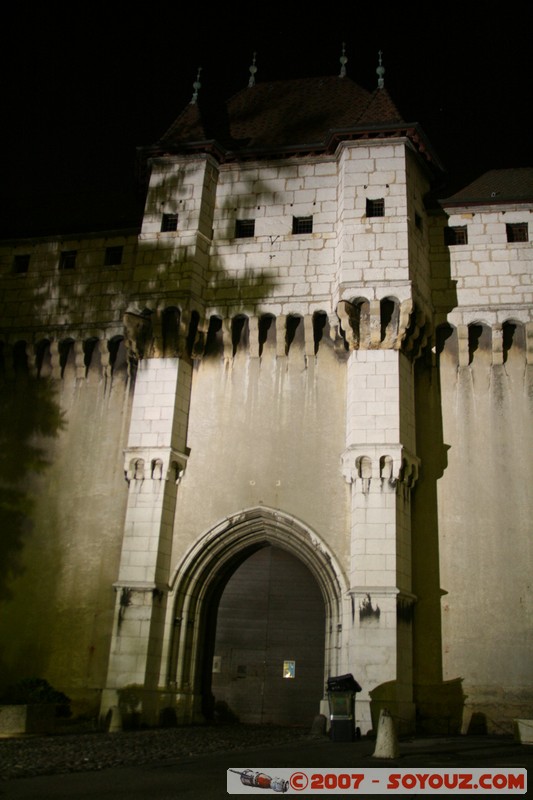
x=285 y=428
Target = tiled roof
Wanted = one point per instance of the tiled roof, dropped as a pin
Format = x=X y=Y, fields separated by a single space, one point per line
x=284 y=114
x=494 y=188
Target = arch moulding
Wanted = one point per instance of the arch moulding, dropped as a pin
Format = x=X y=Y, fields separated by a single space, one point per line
x=203 y=573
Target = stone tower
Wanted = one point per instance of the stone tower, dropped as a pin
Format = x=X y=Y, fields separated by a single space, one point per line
x=287 y=246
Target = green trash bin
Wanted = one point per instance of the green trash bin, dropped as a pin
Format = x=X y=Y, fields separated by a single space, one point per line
x=341 y=698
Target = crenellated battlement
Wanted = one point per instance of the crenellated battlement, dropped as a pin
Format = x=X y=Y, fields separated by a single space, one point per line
x=361 y=325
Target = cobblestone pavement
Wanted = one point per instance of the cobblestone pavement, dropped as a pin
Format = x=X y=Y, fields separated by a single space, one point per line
x=29 y=756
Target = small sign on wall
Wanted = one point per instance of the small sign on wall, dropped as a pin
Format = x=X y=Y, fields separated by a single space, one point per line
x=289 y=669
x=217 y=663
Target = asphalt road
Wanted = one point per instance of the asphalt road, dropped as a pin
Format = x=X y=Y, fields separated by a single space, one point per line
x=205 y=777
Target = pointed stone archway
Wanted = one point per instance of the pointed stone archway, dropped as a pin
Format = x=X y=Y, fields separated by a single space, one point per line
x=199 y=583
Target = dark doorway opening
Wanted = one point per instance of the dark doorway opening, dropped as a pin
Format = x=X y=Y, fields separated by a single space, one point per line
x=268 y=649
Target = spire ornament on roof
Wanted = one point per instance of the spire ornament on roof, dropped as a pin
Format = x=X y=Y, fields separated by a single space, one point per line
x=343 y=59
x=253 y=70
x=380 y=72
x=196 y=86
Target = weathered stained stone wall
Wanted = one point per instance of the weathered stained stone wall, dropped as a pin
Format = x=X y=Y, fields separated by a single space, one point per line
x=273 y=427
x=484 y=376
x=485 y=531
x=56 y=620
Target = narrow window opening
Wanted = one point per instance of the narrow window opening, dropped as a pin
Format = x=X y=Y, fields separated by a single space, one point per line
x=508 y=335
x=89 y=346
x=20 y=358
x=291 y=327
x=156 y=469
x=113 y=256
x=479 y=340
x=43 y=359
x=214 y=344
x=442 y=334
x=265 y=325
x=65 y=348
x=117 y=354
x=238 y=332
x=517 y=232
x=67 y=259
x=244 y=228
x=456 y=235
x=169 y=223
x=302 y=224
x=319 y=324
x=387 y=311
x=21 y=264
x=170 y=323
x=376 y=207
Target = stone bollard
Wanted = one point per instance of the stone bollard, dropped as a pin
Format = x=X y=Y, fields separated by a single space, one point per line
x=319 y=726
x=115 y=723
x=523 y=731
x=386 y=740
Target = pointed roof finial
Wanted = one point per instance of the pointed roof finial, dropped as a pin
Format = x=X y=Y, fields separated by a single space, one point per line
x=196 y=85
x=253 y=70
x=380 y=72
x=343 y=59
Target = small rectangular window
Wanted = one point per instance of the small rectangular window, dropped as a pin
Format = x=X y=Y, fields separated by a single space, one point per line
x=418 y=221
x=456 y=235
x=21 y=263
x=302 y=224
x=113 y=256
x=517 y=232
x=244 y=228
x=67 y=259
x=169 y=223
x=375 y=208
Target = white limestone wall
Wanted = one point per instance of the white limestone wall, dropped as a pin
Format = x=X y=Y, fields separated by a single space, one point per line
x=374 y=250
x=485 y=535
x=266 y=431
x=154 y=435
x=484 y=494
x=377 y=462
x=182 y=186
x=288 y=272
x=176 y=259
x=373 y=398
x=490 y=273
x=82 y=300
x=154 y=459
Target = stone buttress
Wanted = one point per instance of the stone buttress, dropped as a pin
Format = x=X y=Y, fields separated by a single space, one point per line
x=154 y=460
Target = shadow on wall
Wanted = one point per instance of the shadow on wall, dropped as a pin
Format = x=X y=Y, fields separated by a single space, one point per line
x=28 y=411
x=439 y=707
x=439 y=704
x=202 y=274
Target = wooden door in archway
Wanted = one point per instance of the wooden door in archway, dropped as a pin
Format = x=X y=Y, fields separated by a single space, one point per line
x=268 y=664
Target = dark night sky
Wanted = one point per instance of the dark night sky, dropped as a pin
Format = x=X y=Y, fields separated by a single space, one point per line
x=84 y=89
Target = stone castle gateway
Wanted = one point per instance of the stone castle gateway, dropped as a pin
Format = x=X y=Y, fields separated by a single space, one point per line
x=280 y=432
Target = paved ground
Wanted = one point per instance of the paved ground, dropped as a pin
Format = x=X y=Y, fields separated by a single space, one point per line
x=182 y=763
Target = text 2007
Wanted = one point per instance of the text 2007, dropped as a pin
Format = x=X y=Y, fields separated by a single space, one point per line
x=332 y=781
